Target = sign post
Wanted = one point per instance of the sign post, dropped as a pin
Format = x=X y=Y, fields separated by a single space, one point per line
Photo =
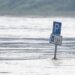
x=56 y=38
x=55 y=51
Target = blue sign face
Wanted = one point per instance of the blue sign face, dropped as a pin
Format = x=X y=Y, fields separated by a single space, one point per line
x=56 y=28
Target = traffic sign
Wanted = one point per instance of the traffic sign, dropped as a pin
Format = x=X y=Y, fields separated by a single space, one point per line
x=56 y=37
x=56 y=28
x=58 y=40
x=51 y=40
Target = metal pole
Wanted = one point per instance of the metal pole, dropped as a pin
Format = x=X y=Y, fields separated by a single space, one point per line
x=55 y=52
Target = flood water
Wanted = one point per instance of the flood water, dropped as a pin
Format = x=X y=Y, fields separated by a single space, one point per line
x=28 y=38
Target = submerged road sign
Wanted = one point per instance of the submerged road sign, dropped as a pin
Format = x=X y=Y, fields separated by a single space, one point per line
x=56 y=28
x=56 y=37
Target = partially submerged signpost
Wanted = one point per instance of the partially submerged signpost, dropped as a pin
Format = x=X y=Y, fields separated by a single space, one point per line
x=56 y=37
